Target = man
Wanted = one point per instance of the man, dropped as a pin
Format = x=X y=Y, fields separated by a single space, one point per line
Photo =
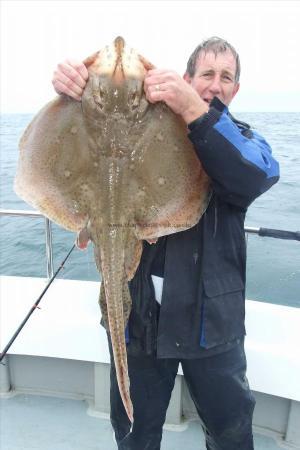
x=199 y=319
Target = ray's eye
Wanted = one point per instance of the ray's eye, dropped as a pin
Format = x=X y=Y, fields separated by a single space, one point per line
x=133 y=99
x=99 y=96
x=102 y=93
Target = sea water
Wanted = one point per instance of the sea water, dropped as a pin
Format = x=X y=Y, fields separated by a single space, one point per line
x=273 y=265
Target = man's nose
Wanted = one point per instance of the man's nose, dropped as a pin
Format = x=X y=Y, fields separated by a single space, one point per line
x=215 y=86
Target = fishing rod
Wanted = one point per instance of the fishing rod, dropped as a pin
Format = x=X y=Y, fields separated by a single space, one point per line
x=264 y=232
x=34 y=306
x=271 y=232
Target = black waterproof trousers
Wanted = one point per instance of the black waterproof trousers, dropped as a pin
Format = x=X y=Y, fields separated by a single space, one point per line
x=218 y=387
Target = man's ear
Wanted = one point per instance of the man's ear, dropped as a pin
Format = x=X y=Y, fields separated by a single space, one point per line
x=187 y=78
x=235 y=89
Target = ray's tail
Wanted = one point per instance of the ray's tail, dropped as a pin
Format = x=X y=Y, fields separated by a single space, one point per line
x=116 y=311
x=117 y=334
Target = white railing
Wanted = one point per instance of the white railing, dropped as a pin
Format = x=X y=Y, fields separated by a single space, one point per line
x=48 y=233
x=264 y=232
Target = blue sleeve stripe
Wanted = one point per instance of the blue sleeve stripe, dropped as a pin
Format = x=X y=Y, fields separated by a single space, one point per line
x=255 y=150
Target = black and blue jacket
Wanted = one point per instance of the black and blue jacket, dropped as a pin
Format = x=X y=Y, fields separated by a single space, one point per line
x=204 y=268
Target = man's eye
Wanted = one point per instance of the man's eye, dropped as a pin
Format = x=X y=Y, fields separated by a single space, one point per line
x=227 y=77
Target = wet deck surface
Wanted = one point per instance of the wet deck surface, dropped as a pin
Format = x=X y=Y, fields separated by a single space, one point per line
x=33 y=422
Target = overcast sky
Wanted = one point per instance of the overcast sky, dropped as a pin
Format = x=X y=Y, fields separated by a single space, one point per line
x=36 y=35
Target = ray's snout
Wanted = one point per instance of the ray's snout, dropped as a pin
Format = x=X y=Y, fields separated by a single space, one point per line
x=119 y=44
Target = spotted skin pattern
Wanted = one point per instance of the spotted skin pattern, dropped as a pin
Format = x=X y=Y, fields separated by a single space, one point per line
x=116 y=169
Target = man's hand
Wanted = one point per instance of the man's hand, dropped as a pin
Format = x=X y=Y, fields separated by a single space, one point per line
x=70 y=78
x=169 y=87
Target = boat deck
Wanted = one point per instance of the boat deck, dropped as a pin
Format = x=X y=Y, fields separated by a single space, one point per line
x=34 y=422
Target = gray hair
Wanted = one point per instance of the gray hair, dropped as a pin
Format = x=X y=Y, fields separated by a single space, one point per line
x=216 y=45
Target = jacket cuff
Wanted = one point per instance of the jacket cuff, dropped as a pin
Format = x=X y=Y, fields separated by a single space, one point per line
x=200 y=125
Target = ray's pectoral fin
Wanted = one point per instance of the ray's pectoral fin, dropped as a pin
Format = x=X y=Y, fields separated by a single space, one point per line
x=177 y=188
x=53 y=158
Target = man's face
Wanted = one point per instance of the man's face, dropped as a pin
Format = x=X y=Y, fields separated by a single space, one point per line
x=215 y=76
